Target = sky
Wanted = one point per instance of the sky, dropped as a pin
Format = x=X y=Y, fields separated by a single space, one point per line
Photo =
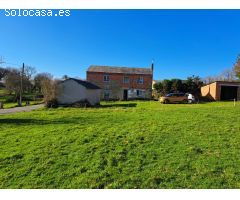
x=181 y=42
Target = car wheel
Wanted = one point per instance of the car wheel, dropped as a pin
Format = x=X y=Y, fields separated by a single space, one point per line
x=166 y=101
x=185 y=101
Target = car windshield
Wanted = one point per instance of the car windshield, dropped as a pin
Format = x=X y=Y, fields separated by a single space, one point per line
x=181 y=94
x=168 y=95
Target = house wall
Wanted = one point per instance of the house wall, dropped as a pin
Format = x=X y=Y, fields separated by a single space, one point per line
x=115 y=86
x=70 y=92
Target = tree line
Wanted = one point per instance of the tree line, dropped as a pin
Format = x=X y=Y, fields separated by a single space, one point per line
x=194 y=83
x=28 y=82
x=191 y=85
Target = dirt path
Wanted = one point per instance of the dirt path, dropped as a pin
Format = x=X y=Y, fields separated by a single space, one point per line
x=20 y=109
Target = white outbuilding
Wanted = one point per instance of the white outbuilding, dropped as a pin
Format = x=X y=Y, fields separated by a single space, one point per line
x=74 y=90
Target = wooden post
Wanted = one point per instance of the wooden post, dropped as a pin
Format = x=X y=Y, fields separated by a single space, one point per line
x=21 y=86
x=1 y=105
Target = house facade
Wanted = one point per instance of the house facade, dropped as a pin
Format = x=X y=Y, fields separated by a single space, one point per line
x=122 y=83
x=74 y=90
x=221 y=91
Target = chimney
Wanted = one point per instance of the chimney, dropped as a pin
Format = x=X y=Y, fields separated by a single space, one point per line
x=152 y=66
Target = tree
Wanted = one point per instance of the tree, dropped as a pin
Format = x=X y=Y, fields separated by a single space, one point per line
x=65 y=77
x=237 y=67
x=176 y=85
x=193 y=85
x=3 y=72
x=45 y=83
x=167 y=86
x=227 y=75
x=209 y=79
x=158 y=86
x=39 y=79
x=50 y=91
x=29 y=71
x=12 y=81
x=157 y=90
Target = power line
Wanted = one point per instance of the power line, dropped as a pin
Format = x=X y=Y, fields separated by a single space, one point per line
x=2 y=60
x=13 y=64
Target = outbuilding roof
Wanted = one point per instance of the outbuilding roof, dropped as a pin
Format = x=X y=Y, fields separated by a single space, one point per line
x=85 y=84
x=224 y=82
x=119 y=70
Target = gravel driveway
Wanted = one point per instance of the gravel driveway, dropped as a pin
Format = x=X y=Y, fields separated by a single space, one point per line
x=20 y=109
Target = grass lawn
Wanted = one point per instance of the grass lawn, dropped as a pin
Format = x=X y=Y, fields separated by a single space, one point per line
x=122 y=145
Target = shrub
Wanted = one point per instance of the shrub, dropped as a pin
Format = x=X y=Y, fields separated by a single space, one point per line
x=10 y=99
x=52 y=103
x=81 y=104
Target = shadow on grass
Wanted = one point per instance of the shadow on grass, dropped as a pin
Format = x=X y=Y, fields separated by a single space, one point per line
x=125 y=105
x=26 y=121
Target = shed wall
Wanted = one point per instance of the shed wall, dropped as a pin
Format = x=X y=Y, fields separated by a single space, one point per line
x=210 y=91
x=93 y=96
x=71 y=92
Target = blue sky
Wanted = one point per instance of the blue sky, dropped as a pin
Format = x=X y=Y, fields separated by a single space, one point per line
x=182 y=42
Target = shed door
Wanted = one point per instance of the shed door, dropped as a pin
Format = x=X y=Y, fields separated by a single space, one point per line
x=229 y=92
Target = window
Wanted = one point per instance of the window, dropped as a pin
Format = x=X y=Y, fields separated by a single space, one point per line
x=169 y=95
x=140 y=93
x=106 y=78
x=140 y=80
x=126 y=79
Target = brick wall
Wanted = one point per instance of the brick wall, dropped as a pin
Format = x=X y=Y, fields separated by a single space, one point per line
x=116 y=84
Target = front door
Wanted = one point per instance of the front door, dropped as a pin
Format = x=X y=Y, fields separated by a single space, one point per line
x=125 y=95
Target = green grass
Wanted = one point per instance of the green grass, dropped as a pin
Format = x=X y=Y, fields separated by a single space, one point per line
x=122 y=145
x=2 y=91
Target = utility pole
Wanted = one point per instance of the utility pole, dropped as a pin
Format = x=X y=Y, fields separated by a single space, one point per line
x=21 y=85
x=1 y=60
x=152 y=68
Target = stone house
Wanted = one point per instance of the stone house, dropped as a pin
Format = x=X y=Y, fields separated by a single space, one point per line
x=122 y=83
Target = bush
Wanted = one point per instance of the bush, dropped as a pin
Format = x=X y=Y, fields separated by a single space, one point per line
x=38 y=96
x=27 y=98
x=10 y=99
x=51 y=103
x=81 y=104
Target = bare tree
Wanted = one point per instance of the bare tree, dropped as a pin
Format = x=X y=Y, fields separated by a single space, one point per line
x=209 y=79
x=29 y=71
x=39 y=79
x=50 y=92
x=12 y=81
x=3 y=73
x=237 y=67
x=227 y=75
x=48 y=87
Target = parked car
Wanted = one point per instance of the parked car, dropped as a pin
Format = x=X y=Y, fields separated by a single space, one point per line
x=175 y=98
